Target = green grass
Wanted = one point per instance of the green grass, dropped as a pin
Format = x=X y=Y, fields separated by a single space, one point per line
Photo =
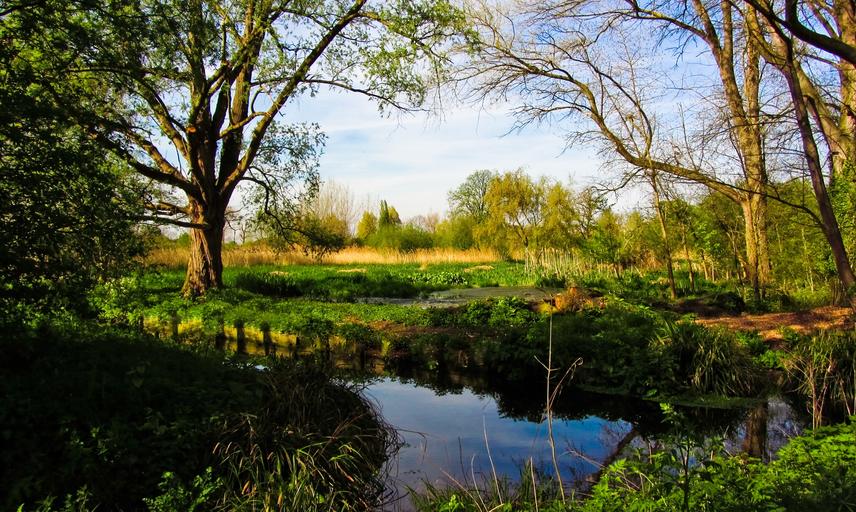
x=283 y=297
x=101 y=417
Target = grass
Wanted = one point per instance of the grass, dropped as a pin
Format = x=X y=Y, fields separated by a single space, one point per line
x=248 y=255
x=284 y=297
x=101 y=417
x=625 y=348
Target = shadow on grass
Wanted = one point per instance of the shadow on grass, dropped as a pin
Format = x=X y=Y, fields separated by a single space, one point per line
x=111 y=412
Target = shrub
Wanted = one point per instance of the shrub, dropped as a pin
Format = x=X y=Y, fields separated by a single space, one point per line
x=710 y=360
x=823 y=368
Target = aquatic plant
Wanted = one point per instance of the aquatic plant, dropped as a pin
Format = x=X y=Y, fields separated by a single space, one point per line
x=823 y=369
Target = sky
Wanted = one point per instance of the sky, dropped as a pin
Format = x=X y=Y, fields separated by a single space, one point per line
x=412 y=161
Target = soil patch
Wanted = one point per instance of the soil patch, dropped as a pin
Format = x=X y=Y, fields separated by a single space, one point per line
x=769 y=325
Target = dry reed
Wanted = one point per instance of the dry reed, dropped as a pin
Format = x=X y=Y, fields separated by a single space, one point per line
x=258 y=254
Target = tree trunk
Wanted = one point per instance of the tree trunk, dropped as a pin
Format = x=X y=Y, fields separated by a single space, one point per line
x=205 y=262
x=665 y=233
x=829 y=223
x=752 y=257
x=689 y=260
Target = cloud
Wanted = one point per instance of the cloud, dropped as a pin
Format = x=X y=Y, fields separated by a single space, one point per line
x=412 y=161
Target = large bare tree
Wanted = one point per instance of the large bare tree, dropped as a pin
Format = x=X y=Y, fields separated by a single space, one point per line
x=785 y=52
x=576 y=61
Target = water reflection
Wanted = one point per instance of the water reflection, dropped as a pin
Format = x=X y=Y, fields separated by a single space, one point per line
x=461 y=423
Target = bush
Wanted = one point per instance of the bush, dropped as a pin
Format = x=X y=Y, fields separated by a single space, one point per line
x=401 y=238
x=814 y=472
x=710 y=360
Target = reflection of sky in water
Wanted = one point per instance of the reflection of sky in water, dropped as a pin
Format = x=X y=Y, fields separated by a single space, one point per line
x=446 y=434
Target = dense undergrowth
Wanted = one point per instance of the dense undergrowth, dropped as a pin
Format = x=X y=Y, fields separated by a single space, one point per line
x=629 y=339
x=813 y=472
x=94 y=417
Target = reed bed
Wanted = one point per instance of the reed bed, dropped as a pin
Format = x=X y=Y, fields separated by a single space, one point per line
x=258 y=254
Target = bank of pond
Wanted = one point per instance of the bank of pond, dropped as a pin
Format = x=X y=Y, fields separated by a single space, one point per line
x=112 y=418
x=273 y=394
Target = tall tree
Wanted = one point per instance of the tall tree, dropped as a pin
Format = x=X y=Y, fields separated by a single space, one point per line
x=563 y=59
x=469 y=198
x=515 y=212
x=780 y=51
x=208 y=81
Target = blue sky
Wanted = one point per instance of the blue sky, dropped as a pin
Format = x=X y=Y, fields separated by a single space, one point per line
x=412 y=161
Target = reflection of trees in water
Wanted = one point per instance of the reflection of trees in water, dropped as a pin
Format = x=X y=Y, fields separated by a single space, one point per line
x=757 y=431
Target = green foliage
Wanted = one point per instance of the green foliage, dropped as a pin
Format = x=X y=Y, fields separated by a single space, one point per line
x=367 y=226
x=359 y=335
x=515 y=212
x=813 y=472
x=468 y=199
x=67 y=212
x=319 y=237
x=816 y=471
x=711 y=360
x=405 y=238
x=176 y=495
x=456 y=232
x=123 y=417
x=500 y=313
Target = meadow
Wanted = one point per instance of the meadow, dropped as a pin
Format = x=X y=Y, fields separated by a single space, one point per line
x=621 y=334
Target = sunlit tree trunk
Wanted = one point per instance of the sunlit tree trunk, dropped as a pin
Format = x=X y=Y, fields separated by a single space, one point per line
x=665 y=234
x=205 y=260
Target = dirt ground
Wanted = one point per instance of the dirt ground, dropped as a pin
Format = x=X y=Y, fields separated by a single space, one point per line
x=769 y=324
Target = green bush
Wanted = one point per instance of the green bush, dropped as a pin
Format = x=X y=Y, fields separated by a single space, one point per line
x=710 y=360
x=814 y=472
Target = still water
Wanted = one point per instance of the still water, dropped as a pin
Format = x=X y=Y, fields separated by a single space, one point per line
x=459 y=428
x=454 y=436
x=460 y=424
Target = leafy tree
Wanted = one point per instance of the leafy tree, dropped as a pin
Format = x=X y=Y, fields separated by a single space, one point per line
x=367 y=226
x=469 y=198
x=561 y=229
x=66 y=218
x=319 y=236
x=515 y=205
x=320 y=225
x=605 y=242
x=388 y=216
x=207 y=81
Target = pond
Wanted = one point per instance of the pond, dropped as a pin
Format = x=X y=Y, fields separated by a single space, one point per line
x=460 y=424
x=460 y=428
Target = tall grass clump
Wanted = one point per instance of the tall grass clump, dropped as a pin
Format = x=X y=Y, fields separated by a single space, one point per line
x=822 y=367
x=709 y=360
x=308 y=447
x=533 y=490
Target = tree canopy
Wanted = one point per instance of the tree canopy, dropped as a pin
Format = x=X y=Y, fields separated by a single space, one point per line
x=193 y=102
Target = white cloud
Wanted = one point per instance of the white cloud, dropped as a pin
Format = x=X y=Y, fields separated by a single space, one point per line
x=412 y=161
